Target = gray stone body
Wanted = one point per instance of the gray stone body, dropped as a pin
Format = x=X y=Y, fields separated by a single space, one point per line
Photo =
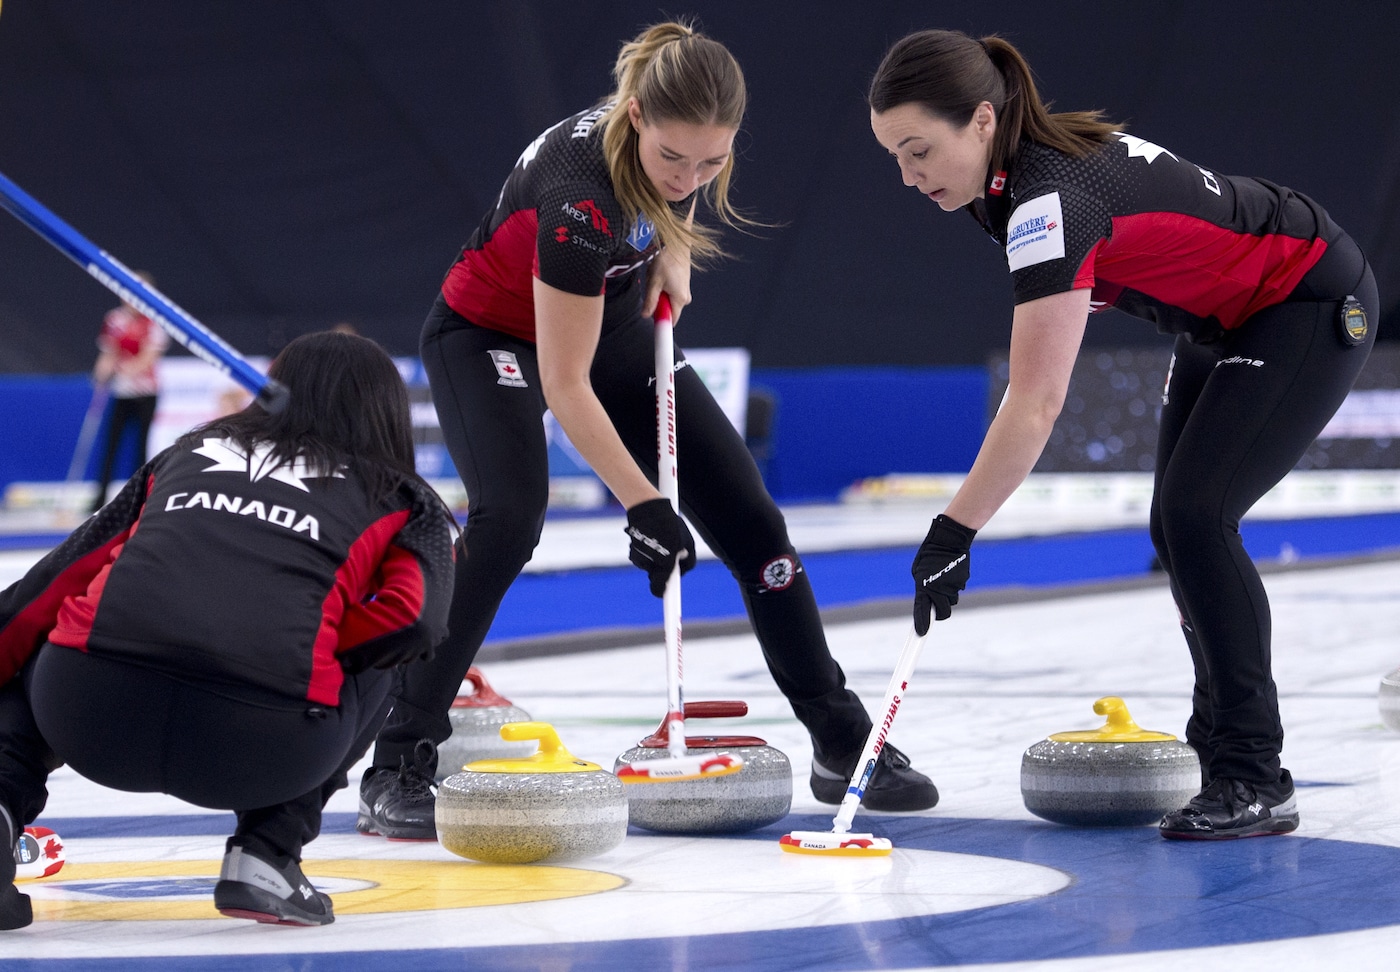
x=1108 y=784
x=476 y=734
x=528 y=818
x=757 y=795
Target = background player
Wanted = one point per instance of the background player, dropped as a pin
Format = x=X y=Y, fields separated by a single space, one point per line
x=129 y=349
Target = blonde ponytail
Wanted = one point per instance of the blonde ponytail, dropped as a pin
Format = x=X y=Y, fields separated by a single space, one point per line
x=676 y=74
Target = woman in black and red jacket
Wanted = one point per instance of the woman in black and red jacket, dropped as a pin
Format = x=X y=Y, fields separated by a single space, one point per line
x=224 y=629
x=1274 y=309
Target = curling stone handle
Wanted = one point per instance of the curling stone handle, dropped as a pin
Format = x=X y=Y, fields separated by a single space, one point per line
x=726 y=709
x=541 y=731
x=720 y=709
x=1119 y=719
x=483 y=695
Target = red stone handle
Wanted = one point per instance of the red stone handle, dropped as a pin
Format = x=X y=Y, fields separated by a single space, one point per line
x=483 y=695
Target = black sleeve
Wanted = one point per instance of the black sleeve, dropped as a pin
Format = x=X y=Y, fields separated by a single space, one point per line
x=410 y=618
x=29 y=607
x=578 y=223
x=1050 y=236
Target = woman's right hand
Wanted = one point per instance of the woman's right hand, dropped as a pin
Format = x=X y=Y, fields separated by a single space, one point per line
x=659 y=541
x=941 y=569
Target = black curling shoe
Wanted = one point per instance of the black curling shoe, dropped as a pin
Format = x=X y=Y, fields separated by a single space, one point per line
x=252 y=887
x=15 y=908
x=1229 y=808
x=400 y=803
x=895 y=786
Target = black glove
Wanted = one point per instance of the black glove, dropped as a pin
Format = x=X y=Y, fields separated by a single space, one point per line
x=389 y=651
x=941 y=569
x=659 y=536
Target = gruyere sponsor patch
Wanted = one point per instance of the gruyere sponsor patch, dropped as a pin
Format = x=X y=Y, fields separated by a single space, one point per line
x=1035 y=232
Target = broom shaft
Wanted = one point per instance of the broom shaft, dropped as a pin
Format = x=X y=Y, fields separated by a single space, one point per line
x=875 y=741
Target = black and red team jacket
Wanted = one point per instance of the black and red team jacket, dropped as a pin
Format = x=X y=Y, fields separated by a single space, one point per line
x=221 y=568
x=1152 y=234
x=556 y=219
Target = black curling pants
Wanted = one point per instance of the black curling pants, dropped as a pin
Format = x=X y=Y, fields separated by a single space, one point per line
x=274 y=762
x=1238 y=414
x=494 y=431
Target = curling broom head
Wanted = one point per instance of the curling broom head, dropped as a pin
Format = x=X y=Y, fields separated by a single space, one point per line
x=828 y=844
x=677 y=769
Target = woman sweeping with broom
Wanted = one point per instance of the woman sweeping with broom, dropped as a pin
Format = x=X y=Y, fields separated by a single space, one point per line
x=547 y=306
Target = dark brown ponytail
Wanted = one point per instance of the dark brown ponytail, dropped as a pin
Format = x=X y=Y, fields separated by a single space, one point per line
x=950 y=74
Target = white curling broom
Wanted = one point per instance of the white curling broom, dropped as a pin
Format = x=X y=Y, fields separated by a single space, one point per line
x=87 y=435
x=840 y=842
x=677 y=765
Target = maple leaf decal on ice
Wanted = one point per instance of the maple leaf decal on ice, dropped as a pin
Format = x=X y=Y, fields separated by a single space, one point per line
x=228 y=457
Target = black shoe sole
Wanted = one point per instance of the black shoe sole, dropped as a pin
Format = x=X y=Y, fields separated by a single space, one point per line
x=372 y=828
x=238 y=900
x=1272 y=827
x=907 y=800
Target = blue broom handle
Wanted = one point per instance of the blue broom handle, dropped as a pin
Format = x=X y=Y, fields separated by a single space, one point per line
x=107 y=270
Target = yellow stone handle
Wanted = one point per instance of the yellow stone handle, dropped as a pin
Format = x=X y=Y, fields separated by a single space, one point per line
x=1120 y=726
x=542 y=731
x=1119 y=720
x=551 y=757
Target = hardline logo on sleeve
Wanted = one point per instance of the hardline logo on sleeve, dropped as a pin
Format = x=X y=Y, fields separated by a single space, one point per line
x=1036 y=232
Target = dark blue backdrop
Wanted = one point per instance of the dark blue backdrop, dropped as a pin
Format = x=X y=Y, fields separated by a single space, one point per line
x=281 y=165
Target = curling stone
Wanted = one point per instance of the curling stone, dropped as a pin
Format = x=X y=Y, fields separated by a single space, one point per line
x=1390 y=700
x=550 y=806
x=757 y=795
x=1118 y=775
x=477 y=715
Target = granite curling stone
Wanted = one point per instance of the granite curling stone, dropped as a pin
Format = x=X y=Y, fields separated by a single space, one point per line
x=547 y=807
x=757 y=795
x=1118 y=775
x=477 y=715
x=1390 y=700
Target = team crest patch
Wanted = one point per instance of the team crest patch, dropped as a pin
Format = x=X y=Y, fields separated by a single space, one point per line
x=1036 y=232
x=508 y=369
x=778 y=573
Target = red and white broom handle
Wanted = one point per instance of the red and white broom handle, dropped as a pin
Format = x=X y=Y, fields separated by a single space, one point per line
x=667 y=483
x=894 y=696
